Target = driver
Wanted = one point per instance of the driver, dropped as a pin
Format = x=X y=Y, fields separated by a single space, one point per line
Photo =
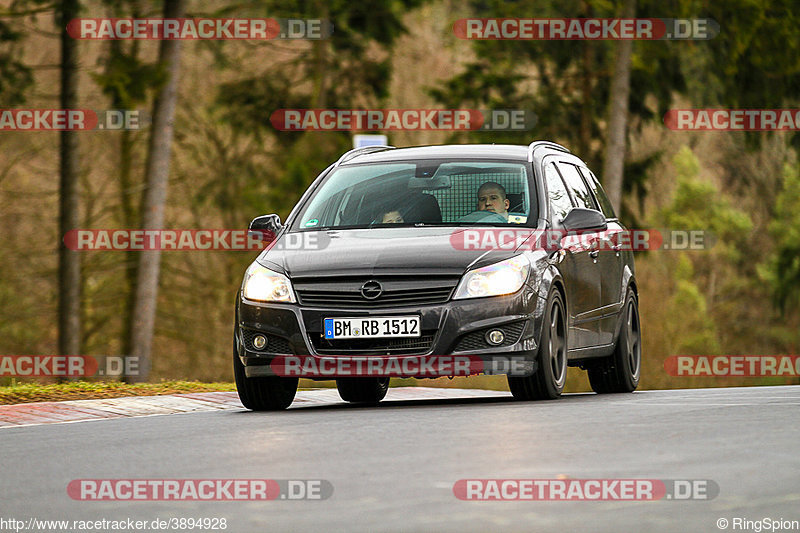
x=492 y=197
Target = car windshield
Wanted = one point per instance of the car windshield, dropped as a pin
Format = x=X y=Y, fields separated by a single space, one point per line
x=449 y=193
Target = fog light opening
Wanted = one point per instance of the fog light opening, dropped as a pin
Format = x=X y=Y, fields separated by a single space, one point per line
x=259 y=341
x=495 y=337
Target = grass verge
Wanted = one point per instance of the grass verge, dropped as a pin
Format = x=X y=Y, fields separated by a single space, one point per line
x=85 y=390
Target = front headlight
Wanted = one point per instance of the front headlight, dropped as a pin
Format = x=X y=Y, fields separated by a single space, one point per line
x=505 y=277
x=263 y=285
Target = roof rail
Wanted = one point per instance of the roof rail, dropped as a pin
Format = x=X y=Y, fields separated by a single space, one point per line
x=548 y=144
x=355 y=152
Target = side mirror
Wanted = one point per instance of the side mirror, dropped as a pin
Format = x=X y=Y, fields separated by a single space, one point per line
x=266 y=223
x=266 y=227
x=584 y=219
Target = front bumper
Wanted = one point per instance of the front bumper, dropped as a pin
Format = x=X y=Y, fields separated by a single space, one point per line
x=453 y=328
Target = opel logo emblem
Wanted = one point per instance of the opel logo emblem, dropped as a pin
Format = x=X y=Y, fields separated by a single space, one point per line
x=371 y=290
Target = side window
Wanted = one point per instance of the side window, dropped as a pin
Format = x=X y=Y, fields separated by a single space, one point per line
x=560 y=203
x=599 y=193
x=577 y=186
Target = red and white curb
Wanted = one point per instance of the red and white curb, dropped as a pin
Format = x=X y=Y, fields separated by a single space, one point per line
x=32 y=414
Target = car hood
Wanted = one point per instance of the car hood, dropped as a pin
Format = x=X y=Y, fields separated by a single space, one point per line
x=387 y=251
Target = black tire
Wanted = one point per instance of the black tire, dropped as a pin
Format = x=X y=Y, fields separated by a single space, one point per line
x=620 y=371
x=548 y=381
x=262 y=393
x=362 y=390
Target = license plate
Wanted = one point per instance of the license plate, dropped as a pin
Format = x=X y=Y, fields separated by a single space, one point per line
x=372 y=328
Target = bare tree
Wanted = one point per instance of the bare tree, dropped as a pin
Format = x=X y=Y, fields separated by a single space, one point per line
x=155 y=196
x=123 y=63
x=618 y=115
x=69 y=264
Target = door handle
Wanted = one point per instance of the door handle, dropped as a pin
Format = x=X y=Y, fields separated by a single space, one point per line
x=594 y=253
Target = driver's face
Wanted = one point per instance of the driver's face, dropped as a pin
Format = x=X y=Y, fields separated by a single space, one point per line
x=491 y=199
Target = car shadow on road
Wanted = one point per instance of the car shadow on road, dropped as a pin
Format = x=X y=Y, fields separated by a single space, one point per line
x=298 y=407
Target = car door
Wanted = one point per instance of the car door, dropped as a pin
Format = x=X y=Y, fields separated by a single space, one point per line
x=577 y=266
x=610 y=262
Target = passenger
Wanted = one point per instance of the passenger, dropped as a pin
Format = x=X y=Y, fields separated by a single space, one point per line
x=391 y=216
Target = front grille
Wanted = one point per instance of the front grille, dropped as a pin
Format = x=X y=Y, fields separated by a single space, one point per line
x=275 y=344
x=345 y=293
x=417 y=345
x=476 y=339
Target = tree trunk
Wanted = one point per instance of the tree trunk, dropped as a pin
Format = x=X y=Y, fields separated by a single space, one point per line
x=129 y=209
x=618 y=116
x=69 y=264
x=155 y=195
x=128 y=221
x=587 y=107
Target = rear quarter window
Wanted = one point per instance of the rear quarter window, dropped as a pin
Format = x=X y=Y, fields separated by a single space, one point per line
x=557 y=195
x=576 y=184
x=599 y=193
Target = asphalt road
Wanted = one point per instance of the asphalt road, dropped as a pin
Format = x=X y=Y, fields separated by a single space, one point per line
x=393 y=467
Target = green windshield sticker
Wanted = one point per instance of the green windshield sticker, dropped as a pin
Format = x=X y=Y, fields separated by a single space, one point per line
x=312 y=222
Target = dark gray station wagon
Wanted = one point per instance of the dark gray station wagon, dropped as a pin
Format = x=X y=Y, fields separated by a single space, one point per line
x=422 y=252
